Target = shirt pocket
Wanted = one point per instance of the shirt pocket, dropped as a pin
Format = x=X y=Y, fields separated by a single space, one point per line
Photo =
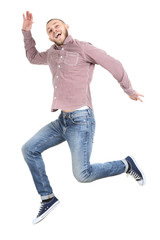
x=71 y=58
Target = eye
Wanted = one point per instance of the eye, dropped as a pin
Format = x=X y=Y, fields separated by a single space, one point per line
x=57 y=26
x=50 y=30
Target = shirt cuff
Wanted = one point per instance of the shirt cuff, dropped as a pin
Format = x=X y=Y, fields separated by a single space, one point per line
x=130 y=91
x=126 y=85
x=26 y=34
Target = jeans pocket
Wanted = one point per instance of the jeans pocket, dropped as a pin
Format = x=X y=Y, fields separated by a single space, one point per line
x=79 y=120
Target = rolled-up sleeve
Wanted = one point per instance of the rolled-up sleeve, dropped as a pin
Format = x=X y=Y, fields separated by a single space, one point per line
x=32 y=54
x=97 y=56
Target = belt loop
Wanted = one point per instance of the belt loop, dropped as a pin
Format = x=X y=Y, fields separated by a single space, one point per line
x=64 y=115
x=89 y=111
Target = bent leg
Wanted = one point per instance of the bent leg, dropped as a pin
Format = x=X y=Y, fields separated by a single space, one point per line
x=47 y=137
x=80 y=144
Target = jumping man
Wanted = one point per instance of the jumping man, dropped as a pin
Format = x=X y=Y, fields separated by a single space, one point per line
x=72 y=63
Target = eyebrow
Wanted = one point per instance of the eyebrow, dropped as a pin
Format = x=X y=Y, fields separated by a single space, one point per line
x=52 y=24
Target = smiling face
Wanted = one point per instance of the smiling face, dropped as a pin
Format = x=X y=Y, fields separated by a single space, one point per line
x=57 y=31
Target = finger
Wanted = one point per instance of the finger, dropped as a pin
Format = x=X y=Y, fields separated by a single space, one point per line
x=24 y=18
x=141 y=95
x=31 y=17
x=139 y=99
x=138 y=94
x=28 y=15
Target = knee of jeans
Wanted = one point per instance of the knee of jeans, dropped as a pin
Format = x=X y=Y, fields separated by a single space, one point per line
x=26 y=149
x=82 y=177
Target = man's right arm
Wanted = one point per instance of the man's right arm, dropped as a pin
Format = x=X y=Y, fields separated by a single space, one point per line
x=31 y=52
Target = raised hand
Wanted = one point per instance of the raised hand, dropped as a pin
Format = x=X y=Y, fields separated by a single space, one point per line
x=27 y=21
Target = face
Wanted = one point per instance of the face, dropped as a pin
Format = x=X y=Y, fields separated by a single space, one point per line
x=57 y=31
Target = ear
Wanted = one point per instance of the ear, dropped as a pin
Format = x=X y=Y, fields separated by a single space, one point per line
x=67 y=26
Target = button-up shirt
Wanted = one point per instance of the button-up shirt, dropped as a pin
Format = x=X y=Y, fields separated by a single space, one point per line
x=72 y=65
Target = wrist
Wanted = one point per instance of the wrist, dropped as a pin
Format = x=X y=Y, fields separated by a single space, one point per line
x=26 y=29
x=26 y=34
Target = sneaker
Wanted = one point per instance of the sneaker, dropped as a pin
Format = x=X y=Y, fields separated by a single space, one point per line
x=135 y=171
x=45 y=209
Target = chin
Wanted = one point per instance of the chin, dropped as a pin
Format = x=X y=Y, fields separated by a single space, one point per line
x=60 y=42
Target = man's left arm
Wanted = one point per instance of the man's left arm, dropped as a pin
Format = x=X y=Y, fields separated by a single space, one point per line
x=97 y=56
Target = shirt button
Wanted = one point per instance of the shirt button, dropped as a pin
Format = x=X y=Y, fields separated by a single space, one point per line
x=55 y=86
x=57 y=77
x=54 y=97
x=61 y=57
x=62 y=48
x=59 y=66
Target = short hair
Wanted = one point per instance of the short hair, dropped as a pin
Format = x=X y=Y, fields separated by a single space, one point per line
x=56 y=19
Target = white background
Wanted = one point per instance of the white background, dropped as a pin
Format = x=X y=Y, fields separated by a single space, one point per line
x=112 y=208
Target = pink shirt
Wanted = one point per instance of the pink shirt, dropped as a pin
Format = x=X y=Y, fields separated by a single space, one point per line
x=72 y=66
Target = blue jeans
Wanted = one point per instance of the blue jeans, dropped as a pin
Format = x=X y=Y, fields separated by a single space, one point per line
x=77 y=128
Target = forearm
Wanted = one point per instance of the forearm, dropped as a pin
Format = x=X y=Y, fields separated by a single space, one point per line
x=121 y=76
x=98 y=56
x=32 y=54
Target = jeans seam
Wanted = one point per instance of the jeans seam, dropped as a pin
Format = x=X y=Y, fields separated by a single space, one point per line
x=86 y=147
x=40 y=173
x=92 y=130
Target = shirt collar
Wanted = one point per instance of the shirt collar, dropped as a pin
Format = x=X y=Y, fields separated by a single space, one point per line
x=67 y=40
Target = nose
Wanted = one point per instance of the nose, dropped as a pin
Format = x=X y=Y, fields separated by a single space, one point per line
x=54 y=30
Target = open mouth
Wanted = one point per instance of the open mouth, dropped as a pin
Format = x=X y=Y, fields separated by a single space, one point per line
x=58 y=35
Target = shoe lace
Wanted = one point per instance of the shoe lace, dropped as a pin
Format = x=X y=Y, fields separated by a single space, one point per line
x=135 y=175
x=42 y=204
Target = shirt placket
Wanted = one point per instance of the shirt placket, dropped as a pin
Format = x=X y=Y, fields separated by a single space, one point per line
x=60 y=61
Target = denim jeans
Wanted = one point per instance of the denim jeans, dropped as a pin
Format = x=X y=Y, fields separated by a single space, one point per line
x=77 y=128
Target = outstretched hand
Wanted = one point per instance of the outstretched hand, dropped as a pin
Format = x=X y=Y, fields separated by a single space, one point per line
x=27 y=21
x=136 y=97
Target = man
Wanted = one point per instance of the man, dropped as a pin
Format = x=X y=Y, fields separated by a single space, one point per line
x=72 y=63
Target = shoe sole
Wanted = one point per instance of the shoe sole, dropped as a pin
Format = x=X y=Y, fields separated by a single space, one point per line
x=141 y=182
x=40 y=218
